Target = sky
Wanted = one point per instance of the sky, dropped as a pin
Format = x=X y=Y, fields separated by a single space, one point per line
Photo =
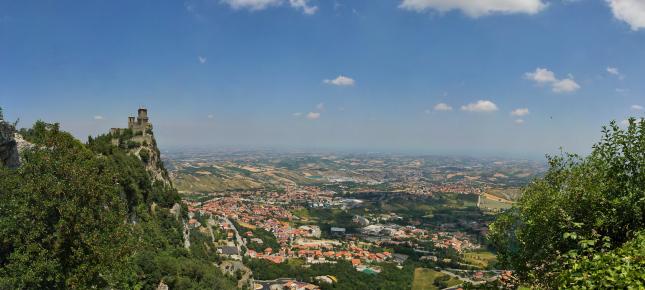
x=502 y=77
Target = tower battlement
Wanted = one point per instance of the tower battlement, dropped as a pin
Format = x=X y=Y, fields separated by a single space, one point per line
x=140 y=126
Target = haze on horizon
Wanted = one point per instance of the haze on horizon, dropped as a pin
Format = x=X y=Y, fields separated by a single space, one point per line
x=516 y=77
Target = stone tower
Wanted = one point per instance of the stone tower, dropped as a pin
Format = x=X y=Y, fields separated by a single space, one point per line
x=141 y=125
x=143 y=114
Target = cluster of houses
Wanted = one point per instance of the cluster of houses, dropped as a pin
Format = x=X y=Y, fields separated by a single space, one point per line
x=394 y=231
x=319 y=253
x=456 y=240
x=284 y=284
x=302 y=242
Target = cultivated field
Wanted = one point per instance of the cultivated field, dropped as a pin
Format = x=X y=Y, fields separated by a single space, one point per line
x=424 y=279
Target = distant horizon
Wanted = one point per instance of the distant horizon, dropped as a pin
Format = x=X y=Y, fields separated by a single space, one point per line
x=222 y=149
x=281 y=148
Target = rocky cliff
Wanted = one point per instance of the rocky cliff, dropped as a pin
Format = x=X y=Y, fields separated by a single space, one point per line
x=9 y=155
x=151 y=157
x=138 y=139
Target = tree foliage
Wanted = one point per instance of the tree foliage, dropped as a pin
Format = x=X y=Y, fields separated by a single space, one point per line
x=79 y=216
x=581 y=213
x=62 y=219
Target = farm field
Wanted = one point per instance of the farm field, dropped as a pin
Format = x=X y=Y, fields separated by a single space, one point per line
x=480 y=258
x=424 y=279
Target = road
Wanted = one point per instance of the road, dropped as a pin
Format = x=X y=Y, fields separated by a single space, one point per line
x=248 y=274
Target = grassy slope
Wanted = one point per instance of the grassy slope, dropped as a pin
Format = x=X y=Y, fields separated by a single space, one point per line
x=424 y=279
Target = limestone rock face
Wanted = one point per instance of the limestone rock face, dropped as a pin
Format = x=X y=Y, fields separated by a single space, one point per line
x=9 y=154
x=139 y=139
x=21 y=143
x=176 y=210
x=162 y=286
x=151 y=158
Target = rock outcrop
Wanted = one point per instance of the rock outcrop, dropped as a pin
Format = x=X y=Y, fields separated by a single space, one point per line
x=151 y=157
x=139 y=140
x=9 y=153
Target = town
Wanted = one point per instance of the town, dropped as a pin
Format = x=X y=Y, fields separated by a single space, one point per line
x=410 y=219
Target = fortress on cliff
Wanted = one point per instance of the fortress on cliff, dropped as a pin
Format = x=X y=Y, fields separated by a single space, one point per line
x=139 y=128
x=140 y=124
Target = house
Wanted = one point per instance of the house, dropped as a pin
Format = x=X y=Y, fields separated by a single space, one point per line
x=230 y=251
x=295 y=285
x=362 y=221
x=193 y=223
x=227 y=250
x=326 y=279
x=338 y=232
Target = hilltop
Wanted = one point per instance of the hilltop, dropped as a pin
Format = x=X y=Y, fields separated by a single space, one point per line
x=80 y=215
x=139 y=141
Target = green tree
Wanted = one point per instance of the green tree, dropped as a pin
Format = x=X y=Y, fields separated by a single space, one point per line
x=62 y=218
x=583 y=207
x=83 y=216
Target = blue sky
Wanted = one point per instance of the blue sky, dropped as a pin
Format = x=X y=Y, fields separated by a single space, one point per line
x=504 y=77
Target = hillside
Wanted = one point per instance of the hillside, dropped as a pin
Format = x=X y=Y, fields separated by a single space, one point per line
x=232 y=176
x=80 y=216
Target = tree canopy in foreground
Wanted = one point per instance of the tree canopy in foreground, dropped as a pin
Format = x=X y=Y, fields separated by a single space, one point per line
x=582 y=225
x=89 y=216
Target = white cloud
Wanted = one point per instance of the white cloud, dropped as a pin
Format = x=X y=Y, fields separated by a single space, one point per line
x=626 y=122
x=313 y=115
x=519 y=121
x=201 y=59
x=98 y=117
x=565 y=86
x=251 y=4
x=320 y=106
x=630 y=11
x=545 y=76
x=614 y=71
x=520 y=112
x=442 y=107
x=428 y=111
x=636 y=107
x=304 y=5
x=476 y=8
x=541 y=76
x=341 y=81
x=297 y=114
x=256 y=5
x=210 y=116
x=480 y=106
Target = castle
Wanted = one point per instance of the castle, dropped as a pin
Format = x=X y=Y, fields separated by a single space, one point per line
x=141 y=128
x=139 y=140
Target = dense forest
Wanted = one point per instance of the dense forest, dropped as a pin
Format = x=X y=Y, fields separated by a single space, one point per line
x=79 y=216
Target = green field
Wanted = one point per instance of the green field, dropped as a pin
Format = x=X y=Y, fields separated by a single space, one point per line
x=493 y=205
x=229 y=176
x=212 y=183
x=511 y=193
x=424 y=279
x=480 y=258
